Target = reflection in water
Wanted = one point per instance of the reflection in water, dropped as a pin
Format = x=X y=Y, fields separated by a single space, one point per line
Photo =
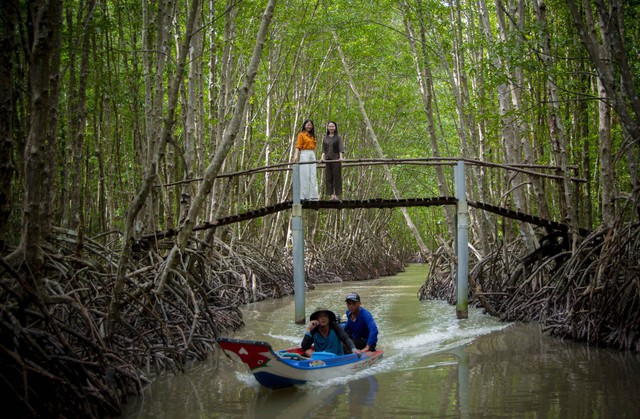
x=463 y=380
x=434 y=366
x=363 y=392
x=524 y=369
x=302 y=402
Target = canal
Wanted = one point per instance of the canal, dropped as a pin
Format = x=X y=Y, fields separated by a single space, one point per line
x=434 y=366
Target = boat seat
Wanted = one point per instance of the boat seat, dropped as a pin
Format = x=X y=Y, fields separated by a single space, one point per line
x=322 y=355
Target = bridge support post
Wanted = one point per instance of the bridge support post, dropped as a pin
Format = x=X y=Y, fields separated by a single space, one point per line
x=298 y=248
x=462 y=243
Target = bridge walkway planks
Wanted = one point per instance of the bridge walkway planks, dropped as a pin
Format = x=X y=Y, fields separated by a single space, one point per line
x=367 y=203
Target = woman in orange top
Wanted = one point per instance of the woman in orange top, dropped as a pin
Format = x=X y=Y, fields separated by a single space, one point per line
x=306 y=152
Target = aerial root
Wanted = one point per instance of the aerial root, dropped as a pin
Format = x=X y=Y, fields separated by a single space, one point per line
x=590 y=294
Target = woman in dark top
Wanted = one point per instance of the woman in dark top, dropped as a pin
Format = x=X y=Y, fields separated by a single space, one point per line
x=332 y=151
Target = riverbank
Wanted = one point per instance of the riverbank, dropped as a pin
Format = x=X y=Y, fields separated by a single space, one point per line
x=587 y=291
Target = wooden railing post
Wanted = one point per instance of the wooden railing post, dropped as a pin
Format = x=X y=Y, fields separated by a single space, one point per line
x=462 y=243
x=297 y=233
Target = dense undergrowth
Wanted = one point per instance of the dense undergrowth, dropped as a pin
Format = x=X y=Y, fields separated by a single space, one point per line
x=57 y=359
x=590 y=294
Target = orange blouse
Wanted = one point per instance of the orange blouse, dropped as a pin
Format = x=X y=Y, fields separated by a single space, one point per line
x=305 y=141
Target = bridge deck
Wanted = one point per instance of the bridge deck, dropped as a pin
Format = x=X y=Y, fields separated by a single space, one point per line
x=368 y=203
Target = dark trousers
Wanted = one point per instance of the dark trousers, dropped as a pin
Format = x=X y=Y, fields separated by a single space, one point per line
x=333 y=178
x=361 y=343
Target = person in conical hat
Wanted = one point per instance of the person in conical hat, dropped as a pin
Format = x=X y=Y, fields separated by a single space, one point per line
x=325 y=334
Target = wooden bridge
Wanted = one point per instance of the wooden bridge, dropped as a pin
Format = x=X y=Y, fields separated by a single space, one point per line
x=460 y=200
x=368 y=203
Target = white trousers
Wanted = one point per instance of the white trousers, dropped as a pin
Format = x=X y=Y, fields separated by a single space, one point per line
x=308 y=181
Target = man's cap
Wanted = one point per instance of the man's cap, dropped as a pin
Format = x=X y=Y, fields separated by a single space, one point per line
x=353 y=296
x=332 y=316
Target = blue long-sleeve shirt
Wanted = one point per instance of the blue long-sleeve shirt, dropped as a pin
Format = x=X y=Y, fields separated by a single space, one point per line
x=363 y=327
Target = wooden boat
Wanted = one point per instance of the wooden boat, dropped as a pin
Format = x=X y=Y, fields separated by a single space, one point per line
x=288 y=367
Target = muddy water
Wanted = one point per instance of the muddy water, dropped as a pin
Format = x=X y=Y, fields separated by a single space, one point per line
x=434 y=366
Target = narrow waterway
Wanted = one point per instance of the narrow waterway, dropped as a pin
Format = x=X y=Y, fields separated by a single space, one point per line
x=434 y=366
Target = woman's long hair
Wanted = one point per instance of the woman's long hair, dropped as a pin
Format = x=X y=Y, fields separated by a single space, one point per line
x=336 y=140
x=313 y=128
x=336 y=125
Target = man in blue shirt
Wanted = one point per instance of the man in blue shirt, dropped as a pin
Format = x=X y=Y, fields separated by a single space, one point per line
x=360 y=326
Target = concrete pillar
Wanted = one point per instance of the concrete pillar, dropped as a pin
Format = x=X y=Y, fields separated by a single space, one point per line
x=462 y=243
x=298 y=248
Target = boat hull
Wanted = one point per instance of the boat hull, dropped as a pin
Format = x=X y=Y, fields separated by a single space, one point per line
x=288 y=367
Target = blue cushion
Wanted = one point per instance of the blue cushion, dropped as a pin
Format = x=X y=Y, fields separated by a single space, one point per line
x=322 y=355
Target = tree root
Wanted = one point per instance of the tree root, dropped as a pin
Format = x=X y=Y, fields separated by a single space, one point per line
x=591 y=294
x=56 y=357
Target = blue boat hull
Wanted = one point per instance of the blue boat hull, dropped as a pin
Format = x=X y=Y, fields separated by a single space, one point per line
x=289 y=367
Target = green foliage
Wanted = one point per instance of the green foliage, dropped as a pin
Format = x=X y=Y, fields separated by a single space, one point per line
x=301 y=75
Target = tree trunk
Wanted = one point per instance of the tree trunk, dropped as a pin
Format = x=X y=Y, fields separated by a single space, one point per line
x=151 y=171
x=425 y=82
x=416 y=234
x=194 y=118
x=229 y=137
x=45 y=16
x=7 y=63
x=155 y=59
x=79 y=118
x=615 y=75
x=584 y=128
x=224 y=98
x=511 y=130
x=469 y=131
x=607 y=172
x=556 y=126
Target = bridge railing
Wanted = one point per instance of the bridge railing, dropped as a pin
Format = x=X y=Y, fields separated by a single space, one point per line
x=407 y=182
x=490 y=185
